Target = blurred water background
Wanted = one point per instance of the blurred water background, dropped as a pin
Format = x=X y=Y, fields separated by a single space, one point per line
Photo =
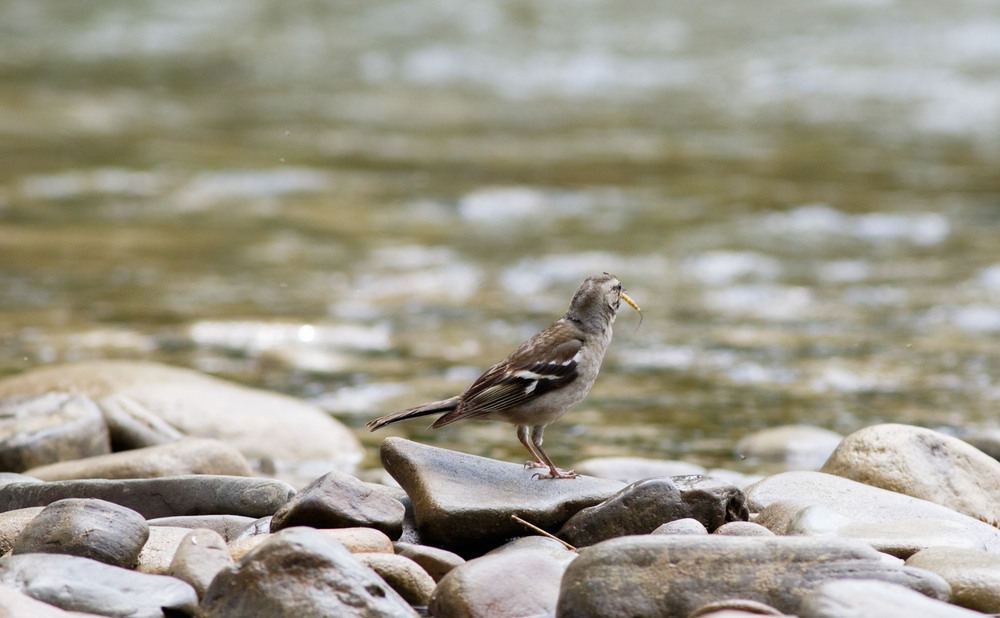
x=367 y=204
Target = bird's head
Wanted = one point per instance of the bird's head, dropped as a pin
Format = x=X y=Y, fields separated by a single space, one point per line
x=598 y=299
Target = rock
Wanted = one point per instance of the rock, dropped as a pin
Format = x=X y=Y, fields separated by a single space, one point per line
x=84 y=585
x=673 y=575
x=92 y=529
x=14 y=604
x=202 y=553
x=196 y=494
x=338 y=500
x=643 y=506
x=404 y=575
x=797 y=447
x=464 y=503
x=435 y=561
x=301 y=572
x=790 y=492
x=736 y=608
x=901 y=538
x=512 y=583
x=550 y=546
x=356 y=540
x=12 y=523
x=133 y=426
x=742 y=528
x=158 y=552
x=687 y=525
x=255 y=528
x=274 y=432
x=50 y=427
x=632 y=469
x=186 y=456
x=974 y=576
x=229 y=526
x=849 y=598
x=924 y=464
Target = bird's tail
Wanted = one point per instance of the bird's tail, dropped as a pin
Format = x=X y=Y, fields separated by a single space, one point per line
x=445 y=405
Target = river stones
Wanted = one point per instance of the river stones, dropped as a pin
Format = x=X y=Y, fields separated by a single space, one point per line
x=202 y=553
x=84 y=585
x=974 y=576
x=273 y=431
x=667 y=575
x=12 y=523
x=643 y=506
x=464 y=503
x=338 y=500
x=231 y=527
x=41 y=429
x=185 y=456
x=405 y=576
x=524 y=582
x=435 y=561
x=89 y=528
x=301 y=572
x=922 y=463
x=161 y=497
x=866 y=599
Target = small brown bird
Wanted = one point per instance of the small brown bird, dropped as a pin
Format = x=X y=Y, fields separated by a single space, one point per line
x=545 y=377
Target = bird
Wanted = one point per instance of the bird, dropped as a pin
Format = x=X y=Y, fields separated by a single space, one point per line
x=541 y=380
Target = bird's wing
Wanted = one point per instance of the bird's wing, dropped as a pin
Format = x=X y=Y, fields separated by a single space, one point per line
x=544 y=363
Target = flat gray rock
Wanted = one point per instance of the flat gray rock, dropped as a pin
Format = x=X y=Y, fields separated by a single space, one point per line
x=785 y=495
x=49 y=427
x=84 y=585
x=464 y=503
x=301 y=572
x=338 y=500
x=89 y=528
x=672 y=576
x=866 y=599
x=196 y=494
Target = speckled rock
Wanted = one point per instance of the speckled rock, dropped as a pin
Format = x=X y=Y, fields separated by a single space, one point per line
x=338 y=500
x=464 y=503
x=12 y=523
x=974 y=576
x=186 y=456
x=435 y=561
x=404 y=575
x=507 y=584
x=85 y=585
x=865 y=599
x=271 y=581
x=922 y=463
x=49 y=427
x=158 y=552
x=202 y=553
x=196 y=494
x=89 y=528
x=673 y=575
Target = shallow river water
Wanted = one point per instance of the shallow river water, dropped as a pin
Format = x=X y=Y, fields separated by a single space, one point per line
x=367 y=204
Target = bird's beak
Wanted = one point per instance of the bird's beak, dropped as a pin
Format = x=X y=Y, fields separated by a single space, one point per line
x=631 y=302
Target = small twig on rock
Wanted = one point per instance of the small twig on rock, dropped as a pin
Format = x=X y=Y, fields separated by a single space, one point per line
x=543 y=533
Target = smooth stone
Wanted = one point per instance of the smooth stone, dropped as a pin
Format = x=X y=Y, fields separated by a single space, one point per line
x=974 y=576
x=798 y=447
x=643 y=506
x=686 y=525
x=301 y=572
x=158 y=552
x=16 y=604
x=850 y=499
x=404 y=575
x=552 y=547
x=88 y=528
x=202 y=553
x=742 y=528
x=338 y=500
x=12 y=523
x=49 y=427
x=736 y=608
x=632 y=469
x=356 y=540
x=506 y=584
x=274 y=432
x=81 y=584
x=673 y=575
x=901 y=538
x=187 y=456
x=133 y=426
x=848 y=598
x=229 y=526
x=435 y=561
x=255 y=528
x=195 y=494
x=465 y=503
x=922 y=463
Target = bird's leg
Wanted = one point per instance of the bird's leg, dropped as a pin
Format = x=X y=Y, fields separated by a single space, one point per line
x=554 y=472
x=522 y=435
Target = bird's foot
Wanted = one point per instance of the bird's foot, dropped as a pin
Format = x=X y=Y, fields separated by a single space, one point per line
x=556 y=473
x=534 y=464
